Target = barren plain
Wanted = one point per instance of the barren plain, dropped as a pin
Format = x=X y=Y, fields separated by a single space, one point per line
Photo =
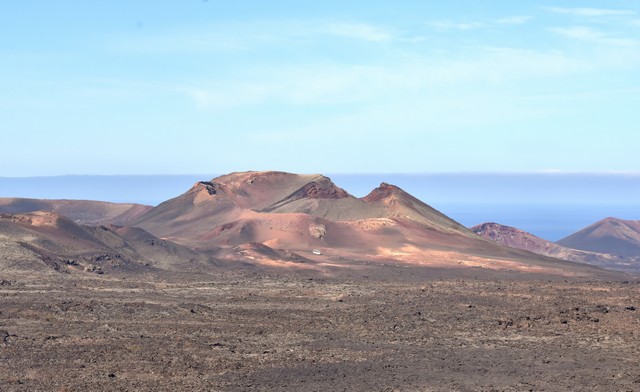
x=387 y=328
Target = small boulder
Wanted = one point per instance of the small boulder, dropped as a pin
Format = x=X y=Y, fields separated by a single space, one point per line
x=318 y=231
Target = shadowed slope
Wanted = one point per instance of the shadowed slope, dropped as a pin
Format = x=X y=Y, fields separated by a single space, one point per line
x=45 y=240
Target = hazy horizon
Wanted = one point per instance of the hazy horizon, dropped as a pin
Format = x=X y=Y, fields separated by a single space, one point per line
x=458 y=187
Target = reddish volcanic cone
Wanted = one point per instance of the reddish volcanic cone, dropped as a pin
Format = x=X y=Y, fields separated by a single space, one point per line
x=256 y=215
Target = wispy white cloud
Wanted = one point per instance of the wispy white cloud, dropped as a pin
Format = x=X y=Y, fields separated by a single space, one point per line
x=410 y=74
x=428 y=114
x=362 y=31
x=414 y=39
x=592 y=35
x=590 y=12
x=240 y=37
x=514 y=20
x=183 y=41
x=414 y=76
x=449 y=25
x=580 y=32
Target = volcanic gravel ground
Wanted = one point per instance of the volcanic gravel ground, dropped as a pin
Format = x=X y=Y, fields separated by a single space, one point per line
x=246 y=332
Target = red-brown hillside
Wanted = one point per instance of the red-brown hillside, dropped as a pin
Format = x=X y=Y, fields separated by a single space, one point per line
x=611 y=235
x=254 y=215
x=303 y=210
x=515 y=238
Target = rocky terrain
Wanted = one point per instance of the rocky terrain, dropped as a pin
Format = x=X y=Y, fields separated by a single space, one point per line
x=276 y=281
x=397 y=329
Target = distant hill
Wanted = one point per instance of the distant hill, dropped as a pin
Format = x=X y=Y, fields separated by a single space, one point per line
x=515 y=238
x=610 y=235
x=80 y=211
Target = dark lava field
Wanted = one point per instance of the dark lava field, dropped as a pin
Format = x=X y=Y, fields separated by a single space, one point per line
x=404 y=330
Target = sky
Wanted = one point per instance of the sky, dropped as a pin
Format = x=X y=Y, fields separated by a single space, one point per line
x=175 y=87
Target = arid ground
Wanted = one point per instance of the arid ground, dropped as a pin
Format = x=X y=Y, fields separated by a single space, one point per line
x=275 y=281
x=385 y=329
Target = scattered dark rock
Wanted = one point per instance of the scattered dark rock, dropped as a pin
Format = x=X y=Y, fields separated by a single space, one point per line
x=270 y=331
x=630 y=308
x=210 y=187
x=322 y=189
x=4 y=336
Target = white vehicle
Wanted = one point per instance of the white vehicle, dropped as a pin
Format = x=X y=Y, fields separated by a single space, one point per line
x=316 y=252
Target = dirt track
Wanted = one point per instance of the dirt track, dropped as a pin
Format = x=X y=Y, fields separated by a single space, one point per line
x=246 y=332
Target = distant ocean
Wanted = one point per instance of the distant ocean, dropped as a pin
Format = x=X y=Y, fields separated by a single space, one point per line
x=549 y=205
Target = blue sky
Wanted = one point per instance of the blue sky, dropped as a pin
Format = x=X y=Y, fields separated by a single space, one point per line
x=168 y=87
